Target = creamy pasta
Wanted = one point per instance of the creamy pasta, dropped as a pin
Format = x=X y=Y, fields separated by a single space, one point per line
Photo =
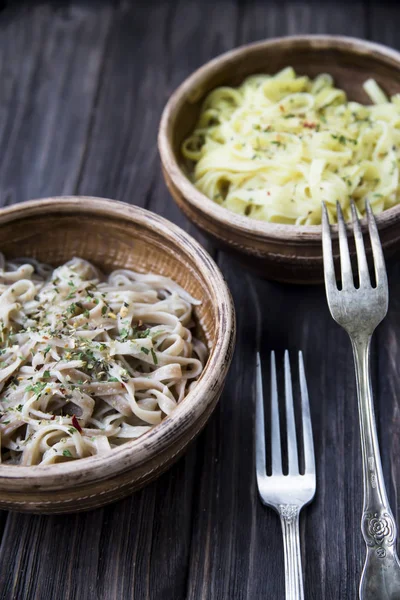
x=88 y=362
x=277 y=146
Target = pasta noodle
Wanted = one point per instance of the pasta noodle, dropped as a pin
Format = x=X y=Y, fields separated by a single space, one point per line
x=277 y=146
x=89 y=362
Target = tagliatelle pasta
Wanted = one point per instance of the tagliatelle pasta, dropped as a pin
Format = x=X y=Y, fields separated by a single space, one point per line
x=88 y=362
x=277 y=146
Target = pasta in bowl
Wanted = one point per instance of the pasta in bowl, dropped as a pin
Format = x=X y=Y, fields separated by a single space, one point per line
x=277 y=146
x=89 y=362
x=111 y=363
x=256 y=139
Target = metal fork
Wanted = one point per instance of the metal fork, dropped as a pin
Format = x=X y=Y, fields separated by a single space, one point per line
x=287 y=494
x=359 y=311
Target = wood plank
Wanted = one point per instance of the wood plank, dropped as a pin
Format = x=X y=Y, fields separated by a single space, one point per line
x=224 y=525
x=49 y=66
x=382 y=27
x=121 y=155
x=388 y=390
x=293 y=17
x=383 y=18
x=127 y=550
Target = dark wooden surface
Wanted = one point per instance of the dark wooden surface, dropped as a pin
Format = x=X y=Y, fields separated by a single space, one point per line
x=82 y=86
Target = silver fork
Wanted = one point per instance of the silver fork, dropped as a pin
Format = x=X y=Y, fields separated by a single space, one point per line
x=359 y=311
x=287 y=494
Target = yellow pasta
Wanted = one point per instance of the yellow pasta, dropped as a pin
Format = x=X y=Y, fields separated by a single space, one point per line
x=277 y=146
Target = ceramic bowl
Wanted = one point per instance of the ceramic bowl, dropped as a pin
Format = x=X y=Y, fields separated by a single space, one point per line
x=283 y=252
x=115 y=235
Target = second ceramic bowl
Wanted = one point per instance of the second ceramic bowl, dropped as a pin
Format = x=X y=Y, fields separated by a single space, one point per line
x=283 y=252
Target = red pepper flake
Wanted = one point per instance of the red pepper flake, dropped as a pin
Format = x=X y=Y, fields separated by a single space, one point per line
x=281 y=108
x=53 y=417
x=75 y=423
x=268 y=193
x=45 y=337
x=309 y=125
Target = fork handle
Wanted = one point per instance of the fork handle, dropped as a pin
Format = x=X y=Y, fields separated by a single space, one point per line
x=380 y=579
x=289 y=514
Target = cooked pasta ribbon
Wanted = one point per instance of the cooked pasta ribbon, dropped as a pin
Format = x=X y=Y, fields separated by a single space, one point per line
x=277 y=146
x=88 y=362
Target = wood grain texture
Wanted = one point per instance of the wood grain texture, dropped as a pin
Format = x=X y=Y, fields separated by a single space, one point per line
x=45 y=120
x=199 y=532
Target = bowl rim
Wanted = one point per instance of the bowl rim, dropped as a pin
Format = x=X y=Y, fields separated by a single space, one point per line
x=160 y=437
x=243 y=225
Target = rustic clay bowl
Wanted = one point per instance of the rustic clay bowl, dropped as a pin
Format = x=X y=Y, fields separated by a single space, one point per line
x=115 y=235
x=283 y=252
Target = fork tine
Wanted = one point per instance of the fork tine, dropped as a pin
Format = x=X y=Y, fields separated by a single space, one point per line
x=345 y=264
x=308 y=443
x=363 y=272
x=293 y=459
x=276 y=450
x=329 y=267
x=379 y=261
x=260 y=423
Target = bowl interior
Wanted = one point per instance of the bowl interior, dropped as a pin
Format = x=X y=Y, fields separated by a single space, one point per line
x=351 y=62
x=110 y=241
x=115 y=235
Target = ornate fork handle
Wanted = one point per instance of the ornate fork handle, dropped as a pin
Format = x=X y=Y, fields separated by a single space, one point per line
x=289 y=514
x=381 y=574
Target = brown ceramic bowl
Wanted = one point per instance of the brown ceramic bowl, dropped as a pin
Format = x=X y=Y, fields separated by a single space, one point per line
x=114 y=235
x=283 y=252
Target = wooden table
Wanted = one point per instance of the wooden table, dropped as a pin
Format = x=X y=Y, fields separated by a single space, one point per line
x=82 y=86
